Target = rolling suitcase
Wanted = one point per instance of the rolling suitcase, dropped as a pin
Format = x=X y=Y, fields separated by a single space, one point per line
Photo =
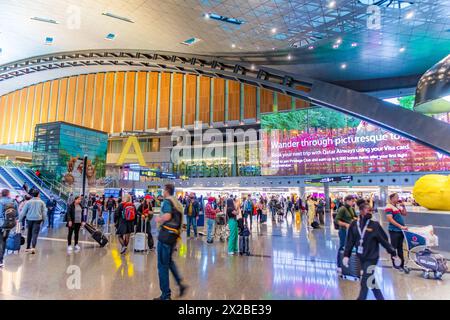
x=97 y=235
x=140 y=238
x=353 y=272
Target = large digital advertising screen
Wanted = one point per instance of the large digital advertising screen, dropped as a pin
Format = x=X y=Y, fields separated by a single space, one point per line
x=323 y=141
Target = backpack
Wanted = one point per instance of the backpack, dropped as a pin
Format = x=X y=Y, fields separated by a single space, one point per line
x=10 y=214
x=129 y=213
x=249 y=206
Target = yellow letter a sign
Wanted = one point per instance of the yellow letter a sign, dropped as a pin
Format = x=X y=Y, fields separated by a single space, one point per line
x=132 y=141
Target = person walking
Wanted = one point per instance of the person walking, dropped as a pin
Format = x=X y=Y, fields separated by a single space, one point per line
x=145 y=212
x=26 y=198
x=75 y=220
x=248 y=210
x=6 y=203
x=171 y=220
x=35 y=213
x=111 y=205
x=367 y=235
x=344 y=217
x=260 y=207
x=232 y=208
x=290 y=207
x=210 y=214
x=312 y=203
x=124 y=217
x=191 y=211
x=394 y=213
x=51 y=208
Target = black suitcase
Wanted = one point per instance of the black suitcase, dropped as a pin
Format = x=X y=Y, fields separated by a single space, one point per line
x=315 y=225
x=97 y=235
x=353 y=272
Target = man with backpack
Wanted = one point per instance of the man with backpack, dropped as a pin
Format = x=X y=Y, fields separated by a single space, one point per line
x=8 y=216
x=35 y=212
x=170 y=220
x=248 y=210
x=192 y=210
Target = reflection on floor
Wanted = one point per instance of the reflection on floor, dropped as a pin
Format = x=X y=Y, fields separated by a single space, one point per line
x=287 y=262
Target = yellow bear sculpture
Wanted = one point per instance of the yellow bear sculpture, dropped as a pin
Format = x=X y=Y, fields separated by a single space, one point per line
x=433 y=192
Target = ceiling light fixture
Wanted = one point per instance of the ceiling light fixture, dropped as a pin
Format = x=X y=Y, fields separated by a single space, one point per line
x=112 y=15
x=233 y=45
x=338 y=40
x=274 y=30
x=354 y=44
x=332 y=4
x=289 y=57
x=252 y=67
x=110 y=36
x=310 y=47
x=335 y=46
x=402 y=49
x=45 y=20
x=48 y=40
x=409 y=15
x=343 y=66
x=206 y=15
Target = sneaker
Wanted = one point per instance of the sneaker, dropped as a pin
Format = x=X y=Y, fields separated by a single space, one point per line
x=69 y=249
x=124 y=249
x=33 y=251
x=183 y=289
x=231 y=253
x=77 y=248
x=27 y=250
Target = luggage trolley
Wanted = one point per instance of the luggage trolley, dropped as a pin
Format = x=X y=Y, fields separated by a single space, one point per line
x=419 y=240
x=221 y=228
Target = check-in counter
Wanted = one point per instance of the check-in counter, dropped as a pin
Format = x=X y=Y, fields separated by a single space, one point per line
x=419 y=216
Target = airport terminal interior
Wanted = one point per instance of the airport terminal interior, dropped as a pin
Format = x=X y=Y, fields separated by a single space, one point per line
x=225 y=150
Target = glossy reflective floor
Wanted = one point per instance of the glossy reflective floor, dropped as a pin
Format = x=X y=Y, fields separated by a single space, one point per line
x=287 y=262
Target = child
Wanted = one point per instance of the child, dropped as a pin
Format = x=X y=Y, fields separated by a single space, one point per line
x=244 y=233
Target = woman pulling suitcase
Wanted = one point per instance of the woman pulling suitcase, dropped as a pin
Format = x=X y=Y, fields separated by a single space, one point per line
x=145 y=211
x=75 y=219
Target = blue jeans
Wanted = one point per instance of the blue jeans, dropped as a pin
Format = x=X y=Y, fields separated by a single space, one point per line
x=210 y=229
x=165 y=263
x=342 y=235
x=191 y=220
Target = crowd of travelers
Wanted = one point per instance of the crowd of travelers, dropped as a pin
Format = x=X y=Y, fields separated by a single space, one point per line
x=352 y=218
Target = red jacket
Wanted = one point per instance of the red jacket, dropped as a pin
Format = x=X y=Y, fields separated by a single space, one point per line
x=210 y=212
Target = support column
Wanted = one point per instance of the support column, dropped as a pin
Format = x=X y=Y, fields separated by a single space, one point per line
x=301 y=193
x=384 y=193
x=326 y=191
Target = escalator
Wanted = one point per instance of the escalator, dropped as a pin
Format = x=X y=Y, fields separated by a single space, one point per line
x=30 y=177
x=9 y=179
x=24 y=178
